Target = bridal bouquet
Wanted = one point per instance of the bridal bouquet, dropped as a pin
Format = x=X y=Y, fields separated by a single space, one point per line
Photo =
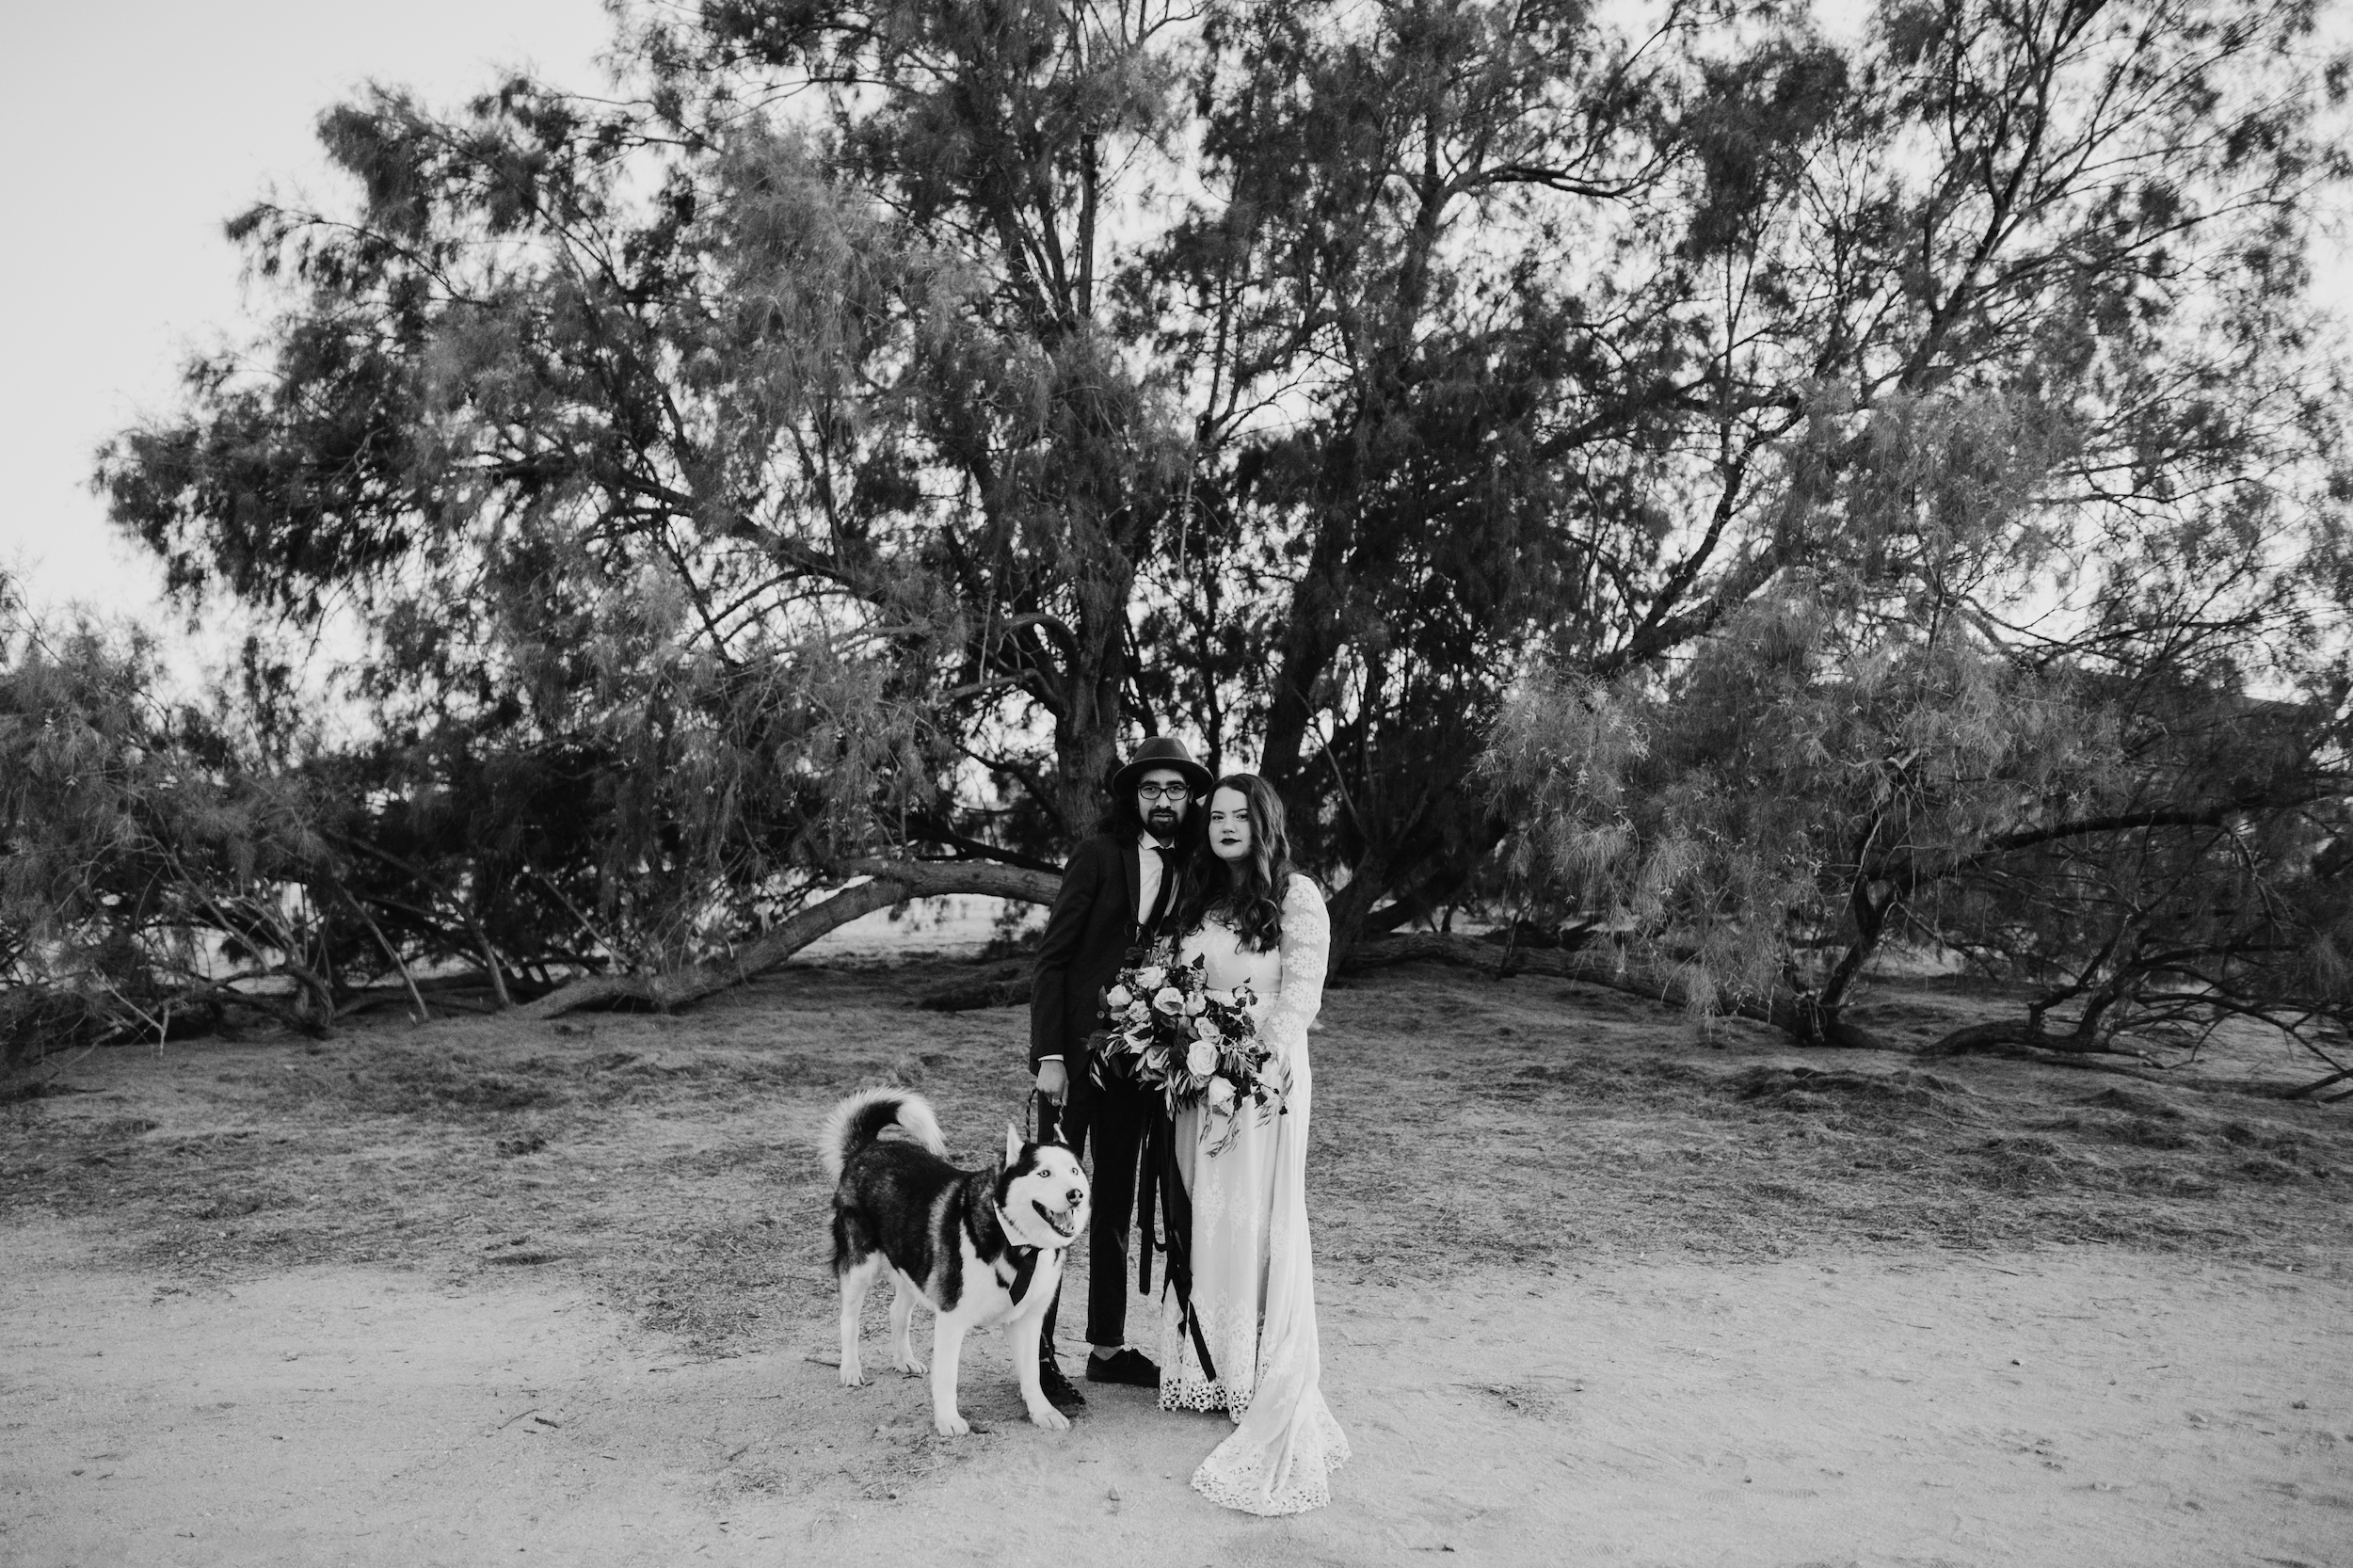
x=1166 y=1030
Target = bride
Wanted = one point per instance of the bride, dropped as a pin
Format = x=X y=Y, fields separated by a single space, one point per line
x=1256 y=922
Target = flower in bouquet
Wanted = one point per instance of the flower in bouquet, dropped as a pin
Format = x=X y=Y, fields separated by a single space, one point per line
x=1238 y=1078
x=1166 y=1032
x=1142 y=1005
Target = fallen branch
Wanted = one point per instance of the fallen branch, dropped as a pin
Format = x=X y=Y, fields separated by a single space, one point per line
x=1606 y=967
x=2020 y=1035
x=423 y=1014
x=376 y=997
x=1008 y=987
x=890 y=882
x=225 y=994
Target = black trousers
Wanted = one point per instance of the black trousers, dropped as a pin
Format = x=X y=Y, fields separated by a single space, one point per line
x=1113 y=1119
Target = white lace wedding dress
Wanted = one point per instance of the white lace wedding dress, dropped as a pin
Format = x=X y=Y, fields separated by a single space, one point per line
x=1253 y=1271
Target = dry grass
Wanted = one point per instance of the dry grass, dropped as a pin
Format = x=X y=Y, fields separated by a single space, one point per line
x=667 y=1160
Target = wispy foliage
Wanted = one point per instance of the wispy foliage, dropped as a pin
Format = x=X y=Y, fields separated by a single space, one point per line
x=144 y=864
x=861 y=425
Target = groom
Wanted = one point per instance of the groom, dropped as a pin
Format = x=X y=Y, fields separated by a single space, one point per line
x=1120 y=886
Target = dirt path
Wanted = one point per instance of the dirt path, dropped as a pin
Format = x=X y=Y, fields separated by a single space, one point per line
x=2072 y=1407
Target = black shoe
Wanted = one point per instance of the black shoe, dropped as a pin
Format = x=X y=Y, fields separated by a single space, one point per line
x=1058 y=1389
x=1133 y=1367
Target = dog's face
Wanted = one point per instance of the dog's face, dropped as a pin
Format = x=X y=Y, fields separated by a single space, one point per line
x=1043 y=1192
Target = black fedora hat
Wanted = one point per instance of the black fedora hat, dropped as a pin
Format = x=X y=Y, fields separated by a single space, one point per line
x=1161 y=751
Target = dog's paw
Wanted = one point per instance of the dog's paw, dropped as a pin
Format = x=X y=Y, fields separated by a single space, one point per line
x=952 y=1426
x=1044 y=1415
x=912 y=1365
x=852 y=1375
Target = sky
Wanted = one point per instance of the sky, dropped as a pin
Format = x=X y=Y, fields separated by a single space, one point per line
x=133 y=128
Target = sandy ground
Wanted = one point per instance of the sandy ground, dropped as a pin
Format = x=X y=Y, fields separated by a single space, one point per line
x=2077 y=1406
x=492 y=1291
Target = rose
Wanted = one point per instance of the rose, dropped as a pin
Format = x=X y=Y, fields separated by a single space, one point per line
x=1207 y=1029
x=1169 y=999
x=1118 y=996
x=1201 y=1060
x=1147 y=980
x=1220 y=1093
x=1195 y=1002
x=1137 y=1012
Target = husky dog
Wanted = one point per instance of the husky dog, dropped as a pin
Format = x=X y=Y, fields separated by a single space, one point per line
x=979 y=1247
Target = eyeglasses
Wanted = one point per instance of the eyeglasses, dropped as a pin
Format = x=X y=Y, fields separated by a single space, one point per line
x=1164 y=792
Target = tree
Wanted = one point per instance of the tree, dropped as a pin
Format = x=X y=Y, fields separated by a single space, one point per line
x=841 y=441
x=145 y=866
x=566 y=461
x=847 y=375
x=2023 y=619
x=1405 y=364
x=2152 y=859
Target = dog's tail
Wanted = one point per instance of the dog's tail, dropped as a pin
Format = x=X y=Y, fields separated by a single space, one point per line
x=860 y=1119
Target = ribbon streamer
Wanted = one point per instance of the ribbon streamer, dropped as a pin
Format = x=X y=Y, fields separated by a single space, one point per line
x=1159 y=1172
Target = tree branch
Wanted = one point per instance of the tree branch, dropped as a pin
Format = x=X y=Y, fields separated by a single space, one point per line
x=891 y=882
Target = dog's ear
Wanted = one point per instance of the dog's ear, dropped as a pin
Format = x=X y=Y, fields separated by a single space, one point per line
x=1013 y=1145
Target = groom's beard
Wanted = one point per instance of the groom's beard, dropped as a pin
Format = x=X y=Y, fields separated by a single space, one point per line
x=1161 y=823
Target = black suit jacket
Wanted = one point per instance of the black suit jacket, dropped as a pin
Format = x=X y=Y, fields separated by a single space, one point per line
x=1089 y=931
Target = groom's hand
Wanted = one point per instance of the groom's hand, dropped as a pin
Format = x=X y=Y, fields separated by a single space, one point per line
x=1053 y=1082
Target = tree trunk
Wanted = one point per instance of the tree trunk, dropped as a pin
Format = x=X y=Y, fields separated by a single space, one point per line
x=892 y=882
x=1305 y=650
x=1086 y=732
x=1351 y=904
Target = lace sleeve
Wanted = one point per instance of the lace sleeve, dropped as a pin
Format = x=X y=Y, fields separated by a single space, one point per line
x=1306 y=950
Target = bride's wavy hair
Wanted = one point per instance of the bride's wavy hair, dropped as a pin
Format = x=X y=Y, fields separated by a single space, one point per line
x=1253 y=907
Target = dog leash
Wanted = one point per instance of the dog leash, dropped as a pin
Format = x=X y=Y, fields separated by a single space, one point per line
x=1157 y=1188
x=1037 y=1124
